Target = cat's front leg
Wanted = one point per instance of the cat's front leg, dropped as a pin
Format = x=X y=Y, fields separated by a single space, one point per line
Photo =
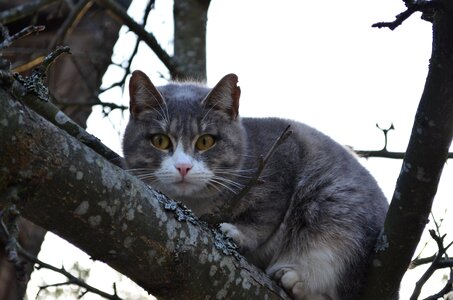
x=239 y=236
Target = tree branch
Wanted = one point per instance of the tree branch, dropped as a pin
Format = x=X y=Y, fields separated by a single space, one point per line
x=386 y=154
x=424 y=6
x=434 y=265
x=23 y=10
x=127 y=68
x=142 y=34
x=226 y=211
x=66 y=187
x=13 y=246
x=54 y=115
x=8 y=40
x=77 y=12
x=446 y=289
x=422 y=167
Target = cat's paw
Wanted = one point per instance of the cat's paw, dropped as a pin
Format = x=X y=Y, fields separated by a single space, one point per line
x=233 y=232
x=292 y=283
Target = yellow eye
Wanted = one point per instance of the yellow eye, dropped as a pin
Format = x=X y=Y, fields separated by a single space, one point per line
x=205 y=142
x=161 y=141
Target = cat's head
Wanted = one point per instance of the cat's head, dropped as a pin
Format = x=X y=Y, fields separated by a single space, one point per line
x=184 y=139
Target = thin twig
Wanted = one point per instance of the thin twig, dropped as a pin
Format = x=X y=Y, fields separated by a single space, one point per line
x=384 y=153
x=142 y=34
x=261 y=164
x=23 y=10
x=227 y=210
x=49 y=59
x=446 y=289
x=71 y=278
x=434 y=265
x=110 y=105
x=421 y=261
x=77 y=12
x=8 y=40
x=127 y=68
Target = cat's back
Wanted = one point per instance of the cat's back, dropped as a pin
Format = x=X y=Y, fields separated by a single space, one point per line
x=308 y=143
x=312 y=158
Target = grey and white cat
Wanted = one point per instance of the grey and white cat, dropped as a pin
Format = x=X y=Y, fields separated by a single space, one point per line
x=311 y=225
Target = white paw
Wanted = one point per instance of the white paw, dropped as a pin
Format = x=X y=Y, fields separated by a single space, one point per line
x=233 y=232
x=291 y=281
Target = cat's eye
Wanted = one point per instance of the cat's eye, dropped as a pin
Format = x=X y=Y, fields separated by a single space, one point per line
x=205 y=142
x=161 y=141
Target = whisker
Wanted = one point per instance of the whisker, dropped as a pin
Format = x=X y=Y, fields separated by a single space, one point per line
x=211 y=184
x=232 y=174
x=222 y=184
x=228 y=181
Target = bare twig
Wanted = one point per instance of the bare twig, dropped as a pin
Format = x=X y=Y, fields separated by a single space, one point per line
x=127 y=68
x=446 y=289
x=77 y=12
x=385 y=132
x=109 y=105
x=261 y=164
x=384 y=153
x=8 y=40
x=14 y=248
x=142 y=34
x=227 y=210
x=23 y=10
x=434 y=265
x=49 y=59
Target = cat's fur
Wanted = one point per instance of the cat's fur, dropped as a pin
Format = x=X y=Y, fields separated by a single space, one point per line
x=311 y=225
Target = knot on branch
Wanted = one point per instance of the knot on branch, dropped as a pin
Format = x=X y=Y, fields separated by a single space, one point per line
x=34 y=83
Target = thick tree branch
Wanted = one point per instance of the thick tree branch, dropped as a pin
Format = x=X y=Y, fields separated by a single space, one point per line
x=190 y=18
x=422 y=166
x=54 y=115
x=66 y=187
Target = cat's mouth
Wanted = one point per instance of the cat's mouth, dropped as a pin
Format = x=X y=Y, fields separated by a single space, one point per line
x=183 y=184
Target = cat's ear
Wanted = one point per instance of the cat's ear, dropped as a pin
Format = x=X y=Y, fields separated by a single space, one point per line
x=224 y=96
x=143 y=94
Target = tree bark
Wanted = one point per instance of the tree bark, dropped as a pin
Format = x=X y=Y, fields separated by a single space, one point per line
x=426 y=155
x=67 y=188
x=190 y=17
x=71 y=80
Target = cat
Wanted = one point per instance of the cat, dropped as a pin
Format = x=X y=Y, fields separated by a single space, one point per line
x=311 y=224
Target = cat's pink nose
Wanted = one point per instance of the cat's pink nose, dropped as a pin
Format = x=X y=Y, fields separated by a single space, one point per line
x=183 y=169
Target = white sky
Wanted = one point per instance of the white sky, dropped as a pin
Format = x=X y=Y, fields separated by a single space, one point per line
x=318 y=62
